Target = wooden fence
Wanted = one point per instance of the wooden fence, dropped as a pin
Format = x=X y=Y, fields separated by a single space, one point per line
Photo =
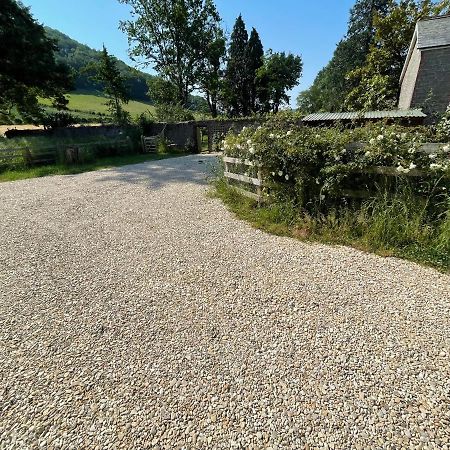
x=70 y=153
x=229 y=162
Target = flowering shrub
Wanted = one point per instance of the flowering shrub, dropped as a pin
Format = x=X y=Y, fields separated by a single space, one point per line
x=443 y=127
x=312 y=165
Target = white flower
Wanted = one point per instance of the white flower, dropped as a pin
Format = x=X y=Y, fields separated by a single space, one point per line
x=271 y=135
x=372 y=141
x=412 y=166
x=286 y=177
x=380 y=137
x=289 y=133
x=238 y=146
x=249 y=142
x=432 y=156
x=280 y=173
x=252 y=150
x=272 y=173
x=367 y=154
x=402 y=169
x=446 y=148
x=337 y=158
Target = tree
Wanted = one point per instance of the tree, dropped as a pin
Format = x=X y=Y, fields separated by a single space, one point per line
x=331 y=86
x=211 y=73
x=173 y=36
x=162 y=92
x=376 y=84
x=235 y=95
x=279 y=73
x=114 y=87
x=27 y=64
x=255 y=60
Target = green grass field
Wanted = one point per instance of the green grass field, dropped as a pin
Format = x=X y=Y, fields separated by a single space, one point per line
x=86 y=105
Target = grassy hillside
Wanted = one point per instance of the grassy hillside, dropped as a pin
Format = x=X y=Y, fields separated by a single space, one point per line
x=93 y=108
x=77 y=56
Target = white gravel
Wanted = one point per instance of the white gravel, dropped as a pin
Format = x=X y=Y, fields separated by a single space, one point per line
x=136 y=312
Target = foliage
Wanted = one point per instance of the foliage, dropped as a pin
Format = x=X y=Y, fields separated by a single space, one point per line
x=388 y=224
x=78 y=56
x=114 y=86
x=236 y=89
x=27 y=64
x=59 y=119
x=278 y=74
x=313 y=166
x=174 y=37
x=172 y=113
x=255 y=60
x=376 y=84
x=307 y=171
x=331 y=86
x=443 y=127
x=211 y=73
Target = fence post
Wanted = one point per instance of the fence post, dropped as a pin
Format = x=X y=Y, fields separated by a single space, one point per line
x=259 y=188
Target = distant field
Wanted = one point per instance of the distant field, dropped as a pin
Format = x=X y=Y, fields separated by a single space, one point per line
x=88 y=104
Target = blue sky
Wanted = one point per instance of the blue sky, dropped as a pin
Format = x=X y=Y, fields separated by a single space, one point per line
x=308 y=28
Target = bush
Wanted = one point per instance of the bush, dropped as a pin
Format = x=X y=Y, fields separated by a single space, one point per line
x=306 y=172
x=313 y=166
x=172 y=113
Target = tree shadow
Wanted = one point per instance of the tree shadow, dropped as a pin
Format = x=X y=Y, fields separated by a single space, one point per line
x=193 y=169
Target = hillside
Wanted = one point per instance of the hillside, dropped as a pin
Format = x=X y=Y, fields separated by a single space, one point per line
x=90 y=107
x=77 y=56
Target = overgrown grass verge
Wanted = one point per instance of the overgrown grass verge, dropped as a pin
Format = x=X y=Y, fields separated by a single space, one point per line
x=388 y=225
x=101 y=163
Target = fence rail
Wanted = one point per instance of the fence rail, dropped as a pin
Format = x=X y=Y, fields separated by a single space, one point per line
x=389 y=171
x=245 y=178
x=49 y=154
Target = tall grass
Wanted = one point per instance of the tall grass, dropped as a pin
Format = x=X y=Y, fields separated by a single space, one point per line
x=390 y=224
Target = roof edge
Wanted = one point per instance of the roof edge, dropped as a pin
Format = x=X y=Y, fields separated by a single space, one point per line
x=410 y=52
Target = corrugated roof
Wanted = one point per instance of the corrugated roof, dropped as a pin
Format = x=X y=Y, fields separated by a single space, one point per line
x=323 y=117
x=433 y=32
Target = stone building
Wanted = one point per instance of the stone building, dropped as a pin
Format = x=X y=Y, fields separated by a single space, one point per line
x=425 y=80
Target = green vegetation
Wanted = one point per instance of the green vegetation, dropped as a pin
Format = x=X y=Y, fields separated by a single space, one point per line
x=366 y=65
x=385 y=196
x=95 y=106
x=28 y=67
x=388 y=225
x=64 y=169
x=106 y=72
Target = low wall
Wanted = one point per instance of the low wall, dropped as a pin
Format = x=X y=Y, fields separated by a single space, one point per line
x=68 y=132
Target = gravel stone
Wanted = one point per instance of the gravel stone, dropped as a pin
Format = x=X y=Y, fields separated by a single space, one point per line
x=137 y=312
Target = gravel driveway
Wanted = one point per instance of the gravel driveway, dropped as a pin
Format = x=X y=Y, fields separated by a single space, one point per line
x=136 y=312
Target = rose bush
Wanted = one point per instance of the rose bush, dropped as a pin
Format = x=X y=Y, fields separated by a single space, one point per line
x=313 y=166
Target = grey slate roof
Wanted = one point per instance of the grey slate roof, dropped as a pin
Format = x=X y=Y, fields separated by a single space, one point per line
x=324 y=117
x=434 y=32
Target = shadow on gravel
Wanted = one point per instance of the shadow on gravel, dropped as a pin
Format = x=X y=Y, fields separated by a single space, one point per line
x=194 y=169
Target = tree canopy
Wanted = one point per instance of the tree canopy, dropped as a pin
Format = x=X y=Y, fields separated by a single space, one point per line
x=173 y=36
x=331 y=85
x=108 y=74
x=28 y=68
